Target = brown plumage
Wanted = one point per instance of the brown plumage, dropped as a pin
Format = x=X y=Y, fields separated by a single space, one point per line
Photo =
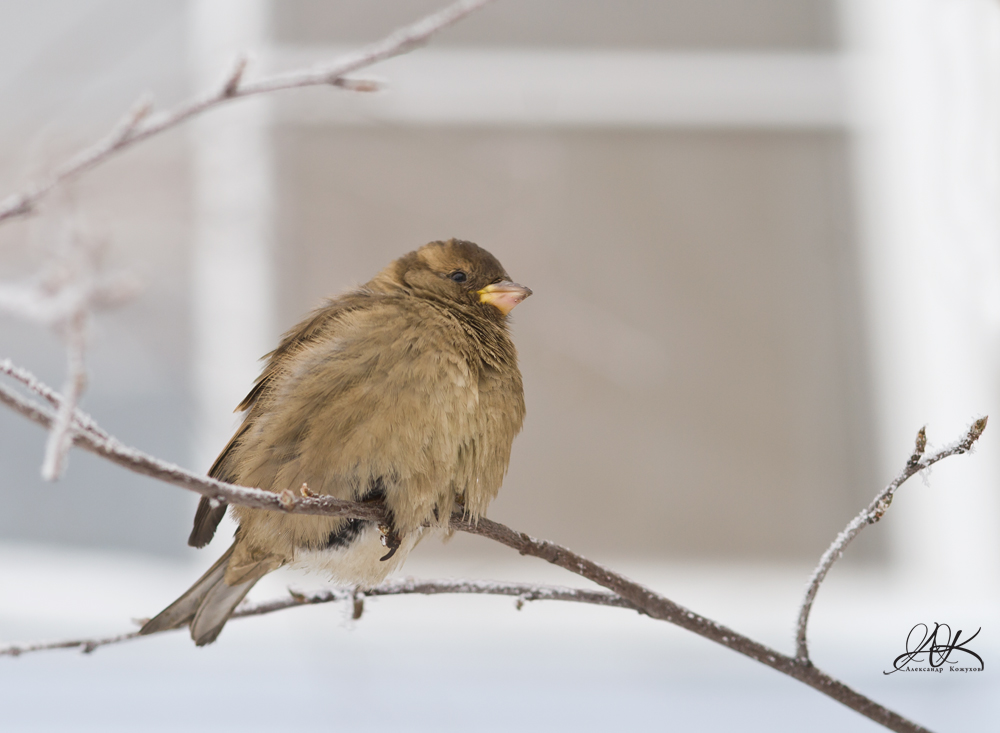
x=405 y=390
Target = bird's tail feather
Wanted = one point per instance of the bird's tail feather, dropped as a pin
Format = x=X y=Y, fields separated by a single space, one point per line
x=215 y=610
x=206 y=605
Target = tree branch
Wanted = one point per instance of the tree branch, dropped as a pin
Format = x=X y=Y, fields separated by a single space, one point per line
x=60 y=436
x=658 y=607
x=82 y=420
x=62 y=295
x=406 y=586
x=635 y=595
x=140 y=123
x=90 y=437
x=873 y=513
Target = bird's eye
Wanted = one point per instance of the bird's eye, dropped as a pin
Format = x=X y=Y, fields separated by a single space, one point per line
x=458 y=276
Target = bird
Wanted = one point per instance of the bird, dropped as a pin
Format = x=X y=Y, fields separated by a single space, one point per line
x=404 y=391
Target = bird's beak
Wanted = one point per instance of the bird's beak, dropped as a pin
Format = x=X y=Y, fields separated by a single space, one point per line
x=504 y=295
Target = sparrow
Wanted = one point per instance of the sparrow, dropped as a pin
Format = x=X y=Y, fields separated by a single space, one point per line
x=404 y=391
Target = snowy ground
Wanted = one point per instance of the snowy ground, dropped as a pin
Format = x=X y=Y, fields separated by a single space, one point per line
x=471 y=663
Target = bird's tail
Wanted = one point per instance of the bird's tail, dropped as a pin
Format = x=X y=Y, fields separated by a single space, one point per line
x=206 y=605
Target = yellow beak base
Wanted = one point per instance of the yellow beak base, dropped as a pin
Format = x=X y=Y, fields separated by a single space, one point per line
x=504 y=295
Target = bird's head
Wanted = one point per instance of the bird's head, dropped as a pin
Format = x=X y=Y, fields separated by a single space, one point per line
x=459 y=272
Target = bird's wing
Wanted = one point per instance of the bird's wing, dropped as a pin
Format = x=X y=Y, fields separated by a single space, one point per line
x=388 y=395
x=320 y=322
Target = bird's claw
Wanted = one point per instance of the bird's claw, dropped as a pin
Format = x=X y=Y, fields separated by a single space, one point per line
x=389 y=539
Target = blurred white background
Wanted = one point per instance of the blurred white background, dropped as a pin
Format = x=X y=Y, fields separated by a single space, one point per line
x=763 y=239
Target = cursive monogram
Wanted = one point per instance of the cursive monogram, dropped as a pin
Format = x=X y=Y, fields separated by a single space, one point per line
x=936 y=649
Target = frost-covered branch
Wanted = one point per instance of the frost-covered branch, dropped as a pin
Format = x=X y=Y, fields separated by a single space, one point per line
x=634 y=595
x=81 y=420
x=72 y=284
x=871 y=514
x=141 y=122
x=60 y=436
x=656 y=606
x=523 y=592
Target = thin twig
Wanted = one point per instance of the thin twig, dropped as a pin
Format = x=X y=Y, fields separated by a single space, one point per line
x=140 y=123
x=524 y=592
x=81 y=419
x=232 y=86
x=87 y=645
x=873 y=513
x=60 y=436
x=407 y=586
x=62 y=295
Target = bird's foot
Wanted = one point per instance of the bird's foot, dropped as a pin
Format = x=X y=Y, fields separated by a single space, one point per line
x=390 y=538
